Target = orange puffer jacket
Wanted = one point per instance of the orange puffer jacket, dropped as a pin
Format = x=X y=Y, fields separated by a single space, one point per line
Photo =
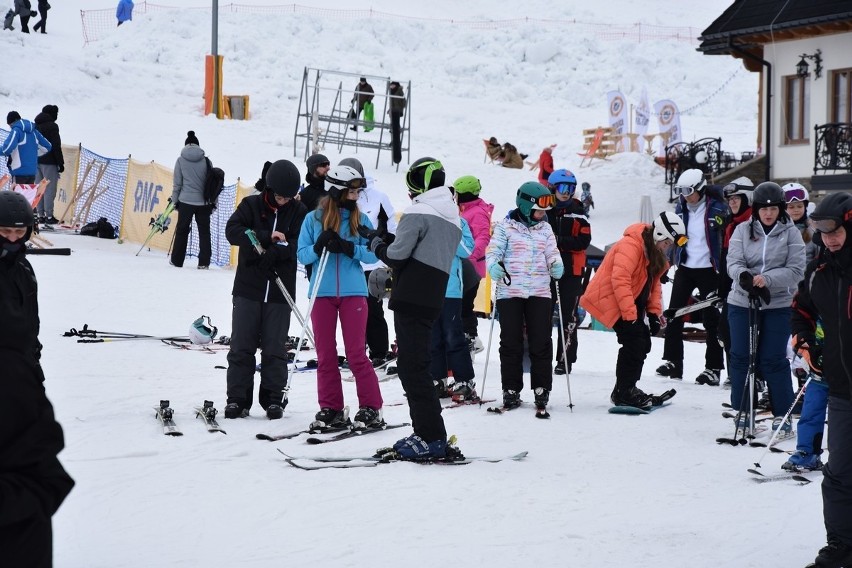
x=620 y=279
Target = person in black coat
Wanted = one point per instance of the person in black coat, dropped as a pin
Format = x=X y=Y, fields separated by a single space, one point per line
x=261 y=314
x=51 y=164
x=43 y=7
x=33 y=483
x=314 y=190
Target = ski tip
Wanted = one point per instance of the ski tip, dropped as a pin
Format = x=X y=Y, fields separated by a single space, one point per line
x=802 y=479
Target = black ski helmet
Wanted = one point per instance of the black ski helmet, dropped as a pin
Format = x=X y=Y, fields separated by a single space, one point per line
x=283 y=178
x=424 y=174
x=15 y=210
x=835 y=207
x=768 y=194
x=353 y=163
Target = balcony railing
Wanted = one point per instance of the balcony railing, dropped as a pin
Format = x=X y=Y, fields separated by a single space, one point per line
x=833 y=150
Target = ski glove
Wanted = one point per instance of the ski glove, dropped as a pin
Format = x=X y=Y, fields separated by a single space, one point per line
x=341 y=246
x=654 y=324
x=497 y=271
x=746 y=281
x=805 y=345
x=557 y=269
x=60 y=168
x=323 y=239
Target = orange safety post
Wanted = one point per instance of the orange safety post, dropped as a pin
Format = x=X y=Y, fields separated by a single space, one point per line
x=209 y=84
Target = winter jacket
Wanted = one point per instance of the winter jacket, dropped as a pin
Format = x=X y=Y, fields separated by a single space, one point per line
x=422 y=254
x=725 y=281
x=716 y=211
x=311 y=193
x=511 y=157
x=46 y=124
x=825 y=294
x=811 y=248
x=363 y=95
x=189 y=177
x=23 y=145
x=455 y=284
x=778 y=256
x=124 y=10
x=621 y=279
x=33 y=484
x=379 y=210
x=545 y=166
x=23 y=7
x=252 y=281
x=573 y=234
x=343 y=275
x=477 y=213
x=527 y=254
x=397 y=101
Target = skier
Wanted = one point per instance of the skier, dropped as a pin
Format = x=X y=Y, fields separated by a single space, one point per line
x=396 y=110
x=363 y=94
x=477 y=212
x=22 y=146
x=341 y=293
x=314 y=190
x=573 y=236
x=449 y=348
x=421 y=256
x=261 y=315
x=376 y=205
x=188 y=196
x=51 y=164
x=703 y=212
x=766 y=260
x=626 y=294
x=522 y=259
x=824 y=294
x=33 y=484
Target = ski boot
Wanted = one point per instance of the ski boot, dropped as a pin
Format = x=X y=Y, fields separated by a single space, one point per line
x=671 y=370
x=368 y=419
x=511 y=399
x=802 y=461
x=329 y=419
x=235 y=410
x=709 y=377
x=632 y=396
x=463 y=390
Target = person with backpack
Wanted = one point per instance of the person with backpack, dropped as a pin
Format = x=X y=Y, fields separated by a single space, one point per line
x=33 y=483
x=190 y=179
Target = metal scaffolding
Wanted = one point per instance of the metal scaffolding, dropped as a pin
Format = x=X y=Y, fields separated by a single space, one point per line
x=323 y=90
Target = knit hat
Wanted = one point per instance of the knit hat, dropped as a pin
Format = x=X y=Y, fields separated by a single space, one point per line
x=191 y=139
x=313 y=161
x=12 y=117
x=52 y=111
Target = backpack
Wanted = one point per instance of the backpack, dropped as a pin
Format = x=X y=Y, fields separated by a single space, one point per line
x=214 y=183
x=101 y=228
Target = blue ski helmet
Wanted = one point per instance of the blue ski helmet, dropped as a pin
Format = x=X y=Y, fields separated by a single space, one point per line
x=562 y=181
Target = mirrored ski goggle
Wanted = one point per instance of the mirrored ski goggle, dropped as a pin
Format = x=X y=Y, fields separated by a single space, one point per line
x=731 y=189
x=542 y=201
x=795 y=194
x=352 y=184
x=826 y=224
x=566 y=188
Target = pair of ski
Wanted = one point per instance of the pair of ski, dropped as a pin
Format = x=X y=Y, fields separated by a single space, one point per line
x=166 y=417
x=539 y=412
x=311 y=463
x=343 y=433
x=797 y=475
x=712 y=301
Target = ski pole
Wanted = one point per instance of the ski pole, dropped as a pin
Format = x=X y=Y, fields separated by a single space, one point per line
x=161 y=224
x=488 y=353
x=564 y=345
x=257 y=246
x=323 y=261
x=789 y=411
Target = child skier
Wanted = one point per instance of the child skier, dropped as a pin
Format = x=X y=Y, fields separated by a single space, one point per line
x=341 y=293
x=522 y=259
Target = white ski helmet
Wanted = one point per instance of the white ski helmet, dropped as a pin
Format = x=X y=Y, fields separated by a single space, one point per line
x=795 y=192
x=202 y=331
x=669 y=226
x=689 y=182
x=341 y=179
x=741 y=186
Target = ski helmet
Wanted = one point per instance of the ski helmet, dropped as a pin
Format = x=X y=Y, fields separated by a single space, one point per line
x=768 y=194
x=282 y=178
x=315 y=161
x=833 y=212
x=563 y=181
x=424 y=174
x=353 y=163
x=532 y=195
x=467 y=188
x=202 y=331
x=795 y=192
x=690 y=181
x=669 y=226
x=341 y=179
x=15 y=210
x=379 y=283
x=741 y=186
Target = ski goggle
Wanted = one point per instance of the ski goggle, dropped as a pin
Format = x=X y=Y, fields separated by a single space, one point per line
x=795 y=194
x=684 y=190
x=732 y=188
x=354 y=183
x=827 y=224
x=679 y=240
x=542 y=201
x=566 y=188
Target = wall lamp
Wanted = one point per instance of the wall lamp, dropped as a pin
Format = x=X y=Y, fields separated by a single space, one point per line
x=802 y=65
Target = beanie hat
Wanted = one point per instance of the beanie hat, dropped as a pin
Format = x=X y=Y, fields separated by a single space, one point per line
x=313 y=161
x=51 y=110
x=283 y=178
x=12 y=117
x=191 y=139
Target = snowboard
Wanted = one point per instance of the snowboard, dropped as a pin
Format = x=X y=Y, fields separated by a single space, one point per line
x=633 y=410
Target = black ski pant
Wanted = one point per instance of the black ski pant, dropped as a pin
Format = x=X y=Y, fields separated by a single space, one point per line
x=413 y=337
x=469 y=319
x=42 y=23
x=377 y=326
x=635 y=341
x=396 y=137
x=449 y=346
x=837 y=480
x=533 y=316
x=685 y=281
x=25 y=19
x=256 y=325
x=570 y=288
x=202 y=215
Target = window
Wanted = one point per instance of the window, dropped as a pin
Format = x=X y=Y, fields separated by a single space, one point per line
x=797 y=98
x=841 y=96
